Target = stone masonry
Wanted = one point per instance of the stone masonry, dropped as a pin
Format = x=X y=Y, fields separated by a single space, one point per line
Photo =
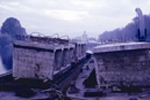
x=123 y=67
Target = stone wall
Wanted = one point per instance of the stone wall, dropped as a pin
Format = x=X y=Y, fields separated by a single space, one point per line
x=32 y=63
x=43 y=61
x=40 y=61
x=124 y=67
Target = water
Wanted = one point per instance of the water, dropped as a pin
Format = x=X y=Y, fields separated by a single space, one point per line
x=2 y=69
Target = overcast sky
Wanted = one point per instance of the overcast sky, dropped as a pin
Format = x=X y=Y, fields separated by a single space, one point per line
x=72 y=17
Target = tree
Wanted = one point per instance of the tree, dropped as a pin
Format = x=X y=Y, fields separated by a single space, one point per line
x=9 y=29
x=12 y=27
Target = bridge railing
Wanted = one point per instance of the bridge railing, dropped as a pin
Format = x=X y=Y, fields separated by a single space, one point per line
x=40 y=38
x=111 y=41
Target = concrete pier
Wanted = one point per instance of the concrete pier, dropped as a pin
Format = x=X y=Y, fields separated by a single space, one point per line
x=123 y=64
x=38 y=60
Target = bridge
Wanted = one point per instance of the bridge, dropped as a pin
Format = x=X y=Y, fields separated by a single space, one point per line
x=123 y=64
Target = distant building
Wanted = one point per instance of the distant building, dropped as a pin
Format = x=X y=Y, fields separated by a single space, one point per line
x=85 y=37
x=90 y=41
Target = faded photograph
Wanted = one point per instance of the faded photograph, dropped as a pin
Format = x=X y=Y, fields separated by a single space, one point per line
x=74 y=50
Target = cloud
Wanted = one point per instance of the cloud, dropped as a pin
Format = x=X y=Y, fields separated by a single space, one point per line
x=72 y=16
x=68 y=15
x=89 y=3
